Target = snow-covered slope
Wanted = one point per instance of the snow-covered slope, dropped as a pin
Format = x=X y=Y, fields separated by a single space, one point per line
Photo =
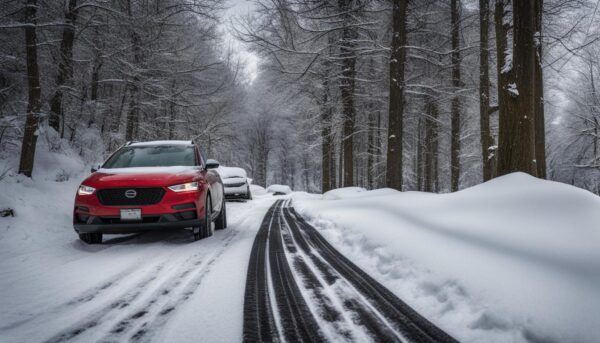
x=514 y=259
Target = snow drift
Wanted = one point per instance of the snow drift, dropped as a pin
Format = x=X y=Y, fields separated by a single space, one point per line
x=514 y=259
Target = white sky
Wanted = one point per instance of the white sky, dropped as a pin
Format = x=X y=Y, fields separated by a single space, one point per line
x=249 y=60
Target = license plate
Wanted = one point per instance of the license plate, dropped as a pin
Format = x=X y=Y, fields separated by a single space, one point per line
x=131 y=214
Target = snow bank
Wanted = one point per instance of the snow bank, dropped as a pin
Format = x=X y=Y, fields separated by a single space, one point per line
x=283 y=189
x=514 y=259
x=345 y=192
x=257 y=190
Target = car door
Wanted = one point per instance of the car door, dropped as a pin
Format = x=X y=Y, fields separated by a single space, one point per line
x=214 y=184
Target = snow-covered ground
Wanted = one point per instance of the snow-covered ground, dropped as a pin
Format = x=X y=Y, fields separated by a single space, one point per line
x=160 y=286
x=512 y=260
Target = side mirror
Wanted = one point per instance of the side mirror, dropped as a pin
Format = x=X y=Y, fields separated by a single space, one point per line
x=212 y=164
x=95 y=168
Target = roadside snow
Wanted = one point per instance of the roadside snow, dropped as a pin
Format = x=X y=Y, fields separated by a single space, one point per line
x=515 y=259
x=343 y=193
x=257 y=190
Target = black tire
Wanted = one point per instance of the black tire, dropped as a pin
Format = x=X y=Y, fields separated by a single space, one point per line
x=221 y=222
x=249 y=195
x=205 y=230
x=91 y=238
x=207 y=225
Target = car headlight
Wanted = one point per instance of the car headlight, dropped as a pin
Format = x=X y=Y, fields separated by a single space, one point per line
x=184 y=187
x=85 y=190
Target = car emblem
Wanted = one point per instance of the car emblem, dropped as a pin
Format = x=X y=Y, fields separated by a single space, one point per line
x=130 y=193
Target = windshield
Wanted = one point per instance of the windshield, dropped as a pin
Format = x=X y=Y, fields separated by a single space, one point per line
x=152 y=156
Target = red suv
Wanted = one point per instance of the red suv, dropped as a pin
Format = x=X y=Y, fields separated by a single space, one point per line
x=148 y=186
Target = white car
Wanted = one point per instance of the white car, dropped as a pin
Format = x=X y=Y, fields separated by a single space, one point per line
x=279 y=189
x=235 y=183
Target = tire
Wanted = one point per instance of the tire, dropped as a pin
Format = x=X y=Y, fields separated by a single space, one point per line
x=91 y=238
x=221 y=222
x=249 y=195
x=206 y=229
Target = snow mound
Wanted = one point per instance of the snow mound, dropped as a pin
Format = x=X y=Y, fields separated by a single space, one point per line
x=345 y=192
x=489 y=263
x=279 y=189
x=229 y=172
x=257 y=190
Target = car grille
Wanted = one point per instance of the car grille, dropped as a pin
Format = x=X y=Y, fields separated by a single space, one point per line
x=143 y=196
x=239 y=184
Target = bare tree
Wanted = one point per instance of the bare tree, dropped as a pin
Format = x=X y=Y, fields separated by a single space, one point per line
x=33 y=80
x=516 y=151
x=396 y=105
x=455 y=107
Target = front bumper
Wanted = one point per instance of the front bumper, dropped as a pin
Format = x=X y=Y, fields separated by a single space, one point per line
x=96 y=225
x=236 y=192
x=174 y=211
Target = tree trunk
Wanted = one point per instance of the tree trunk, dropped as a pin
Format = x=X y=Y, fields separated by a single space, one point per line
x=419 y=154
x=484 y=89
x=455 y=106
x=505 y=100
x=326 y=141
x=347 y=85
x=133 y=114
x=396 y=106
x=33 y=82
x=431 y=137
x=516 y=148
x=540 y=124
x=65 y=66
x=94 y=87
x=370 y=150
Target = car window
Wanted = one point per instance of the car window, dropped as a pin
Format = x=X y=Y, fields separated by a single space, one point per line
x=152 y=156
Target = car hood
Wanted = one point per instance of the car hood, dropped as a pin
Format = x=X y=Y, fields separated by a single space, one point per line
x=141 y=177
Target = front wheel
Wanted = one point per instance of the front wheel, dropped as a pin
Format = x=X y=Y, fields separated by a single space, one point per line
x=221 y=222
x=91 y=238
x=206 y=229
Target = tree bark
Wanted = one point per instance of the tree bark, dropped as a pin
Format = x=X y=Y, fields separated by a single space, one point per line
x=65 y=66
x=33 y=82
x=484 y=89
x=326 y=139
x=347 y=85
x=431 y=138
x=540 y=124
x=504 y=72
x=371 y=149
x=396 y=105
x=455 y=106
x=516 y=150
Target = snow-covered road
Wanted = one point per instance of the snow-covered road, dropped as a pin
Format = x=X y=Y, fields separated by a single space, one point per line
x=301 y=289
x=143 y=287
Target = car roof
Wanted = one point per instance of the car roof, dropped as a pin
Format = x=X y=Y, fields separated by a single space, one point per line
x=155 y=143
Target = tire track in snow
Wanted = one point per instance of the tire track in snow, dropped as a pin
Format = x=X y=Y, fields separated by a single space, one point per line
x=155 y=296
x=297 y=279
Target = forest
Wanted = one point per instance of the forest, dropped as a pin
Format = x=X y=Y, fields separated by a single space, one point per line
x=428 y=95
